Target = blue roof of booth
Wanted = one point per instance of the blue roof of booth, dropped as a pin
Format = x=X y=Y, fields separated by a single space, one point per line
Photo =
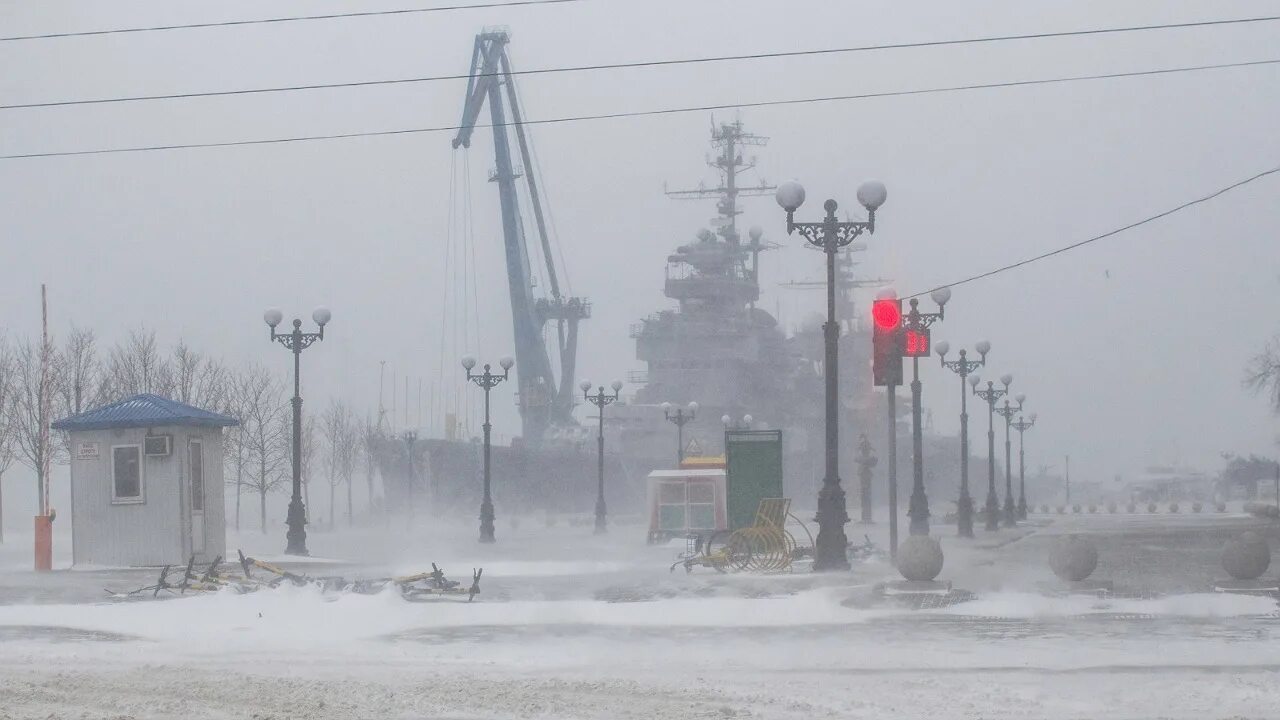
x=144 y=410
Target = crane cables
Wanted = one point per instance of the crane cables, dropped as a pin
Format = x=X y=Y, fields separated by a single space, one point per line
x=649 y=63
x=654 y=112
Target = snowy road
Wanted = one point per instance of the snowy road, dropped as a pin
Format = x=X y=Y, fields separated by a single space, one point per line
x=605 y=632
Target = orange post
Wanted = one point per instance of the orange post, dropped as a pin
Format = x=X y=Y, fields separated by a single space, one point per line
x=44 y=542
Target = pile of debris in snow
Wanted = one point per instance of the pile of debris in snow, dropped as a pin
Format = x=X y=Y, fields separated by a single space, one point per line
x=419 y=586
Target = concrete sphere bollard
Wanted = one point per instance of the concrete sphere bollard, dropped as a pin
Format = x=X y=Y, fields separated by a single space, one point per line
x=1196 y=507
x=1220 y=506
x=1247 y=556
x=1173 y=507
x=1111 y=508
x=1073 y=558
x=1151 y=507
x=1093 y=509
x=1131 y=508
x=920 y=558
x=1075 y=509
x=1062 y=509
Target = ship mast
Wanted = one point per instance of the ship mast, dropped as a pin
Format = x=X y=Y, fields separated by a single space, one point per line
x=730 y=138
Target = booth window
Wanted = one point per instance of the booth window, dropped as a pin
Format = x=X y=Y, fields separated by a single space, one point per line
x=702 y=506
x=671 y=506
x=126 y=473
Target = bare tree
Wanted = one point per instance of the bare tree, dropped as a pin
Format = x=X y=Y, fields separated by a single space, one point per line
x=353 y=450
x=196 y=379
x=370 y=437
x=341 y=441
x=82 y=386
x=310 y=434
x=238 y=392
x=36 y=374
x=264 y=432
x=136 y=366
x=1262 y=374
x=8 y=387
x=186 y=366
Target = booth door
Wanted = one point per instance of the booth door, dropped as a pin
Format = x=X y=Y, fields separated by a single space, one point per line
x=195 y=460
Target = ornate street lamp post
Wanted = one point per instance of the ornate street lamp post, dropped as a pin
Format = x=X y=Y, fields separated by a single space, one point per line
x=487 y=381
x=600 y=400
x=1022 y=426
x=831 y=235
x=866 y=460
x=1007 y=411
x=745 y=423
x=963 y=368
x=681 y=417
x=297 y=341
x=991 y=394
x=918 y=322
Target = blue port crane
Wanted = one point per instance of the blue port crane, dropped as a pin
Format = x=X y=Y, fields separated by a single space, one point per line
x=544 y=401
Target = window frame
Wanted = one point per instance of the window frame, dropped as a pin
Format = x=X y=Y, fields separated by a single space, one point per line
x=141 y=497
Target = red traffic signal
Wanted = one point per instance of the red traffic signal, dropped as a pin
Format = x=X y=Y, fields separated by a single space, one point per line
x=886 y=342
x=887 y=314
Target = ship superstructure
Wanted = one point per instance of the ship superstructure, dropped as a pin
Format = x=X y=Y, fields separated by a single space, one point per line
x=715 y=347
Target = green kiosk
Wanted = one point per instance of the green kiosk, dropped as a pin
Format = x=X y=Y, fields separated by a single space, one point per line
x=753 y=469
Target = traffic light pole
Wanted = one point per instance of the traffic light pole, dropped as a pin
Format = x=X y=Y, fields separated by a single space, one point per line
x=918 y=506
x=918 y=323
x=891 y=394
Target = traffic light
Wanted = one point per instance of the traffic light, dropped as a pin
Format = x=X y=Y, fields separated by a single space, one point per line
x=915 y=343
x=887 y=342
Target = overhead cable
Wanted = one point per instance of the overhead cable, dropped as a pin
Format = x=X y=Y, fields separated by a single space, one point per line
x=297 y=18
x=639 y=64
x=1103 y=236
x=644 y=113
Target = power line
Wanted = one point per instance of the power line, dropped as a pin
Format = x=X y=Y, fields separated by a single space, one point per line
x=1117 y=231
x=334 y=16
x=643 y=64
x=648 y=113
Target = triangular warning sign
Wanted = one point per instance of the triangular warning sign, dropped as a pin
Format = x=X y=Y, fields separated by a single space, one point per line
x=693 y=448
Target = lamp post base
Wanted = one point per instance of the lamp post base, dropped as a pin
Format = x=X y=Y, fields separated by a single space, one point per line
x=486 y=522
x=964 y=516
x=1022 y=507
x=918 y=511
x=602 y=526
x=1010 y=512
x=830 y=552
x=296 y=537
x=992 y=510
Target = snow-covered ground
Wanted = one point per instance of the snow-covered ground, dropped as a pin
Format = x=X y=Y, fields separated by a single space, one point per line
x=573 y=626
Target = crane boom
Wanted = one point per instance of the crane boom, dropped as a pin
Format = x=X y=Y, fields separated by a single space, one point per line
x=543 y=400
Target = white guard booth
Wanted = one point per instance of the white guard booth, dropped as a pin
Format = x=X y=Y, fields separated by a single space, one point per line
x=146 y=483
x=687 y=501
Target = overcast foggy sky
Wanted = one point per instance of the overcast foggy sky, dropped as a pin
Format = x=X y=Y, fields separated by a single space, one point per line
x=1137 y=368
